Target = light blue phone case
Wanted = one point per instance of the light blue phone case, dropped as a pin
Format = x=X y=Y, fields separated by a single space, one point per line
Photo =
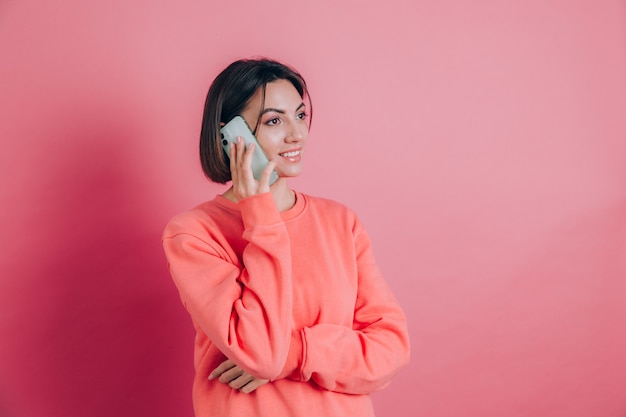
x=238 y=127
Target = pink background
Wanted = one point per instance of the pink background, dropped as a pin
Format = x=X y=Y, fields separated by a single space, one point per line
x=483 y=144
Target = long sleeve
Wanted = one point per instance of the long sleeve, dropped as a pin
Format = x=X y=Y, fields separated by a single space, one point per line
x=358 y=359
x=243 y=305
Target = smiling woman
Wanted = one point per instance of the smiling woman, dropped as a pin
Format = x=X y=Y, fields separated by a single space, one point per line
x=242 y=88
x=283 y=289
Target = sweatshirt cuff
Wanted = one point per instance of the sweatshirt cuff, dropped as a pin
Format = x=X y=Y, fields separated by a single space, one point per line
x=259 y=209
x=293 y=365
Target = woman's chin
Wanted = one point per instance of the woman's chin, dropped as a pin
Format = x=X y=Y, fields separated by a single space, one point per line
x=289 y=173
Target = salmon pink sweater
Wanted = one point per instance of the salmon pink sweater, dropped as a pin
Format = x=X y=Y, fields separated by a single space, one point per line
x=293 y=297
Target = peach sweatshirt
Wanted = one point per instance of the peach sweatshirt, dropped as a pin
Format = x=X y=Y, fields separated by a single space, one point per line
x=294 y=297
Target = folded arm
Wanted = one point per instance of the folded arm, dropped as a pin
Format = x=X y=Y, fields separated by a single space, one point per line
x=245 y=310
x=358 y=359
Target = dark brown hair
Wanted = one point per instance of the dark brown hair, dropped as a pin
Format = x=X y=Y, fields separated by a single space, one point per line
x=228 y=95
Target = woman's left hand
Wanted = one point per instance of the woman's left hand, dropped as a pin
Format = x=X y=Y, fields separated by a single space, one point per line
x=236 y=378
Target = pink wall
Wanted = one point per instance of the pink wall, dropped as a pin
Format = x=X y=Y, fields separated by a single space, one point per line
x=483 y=144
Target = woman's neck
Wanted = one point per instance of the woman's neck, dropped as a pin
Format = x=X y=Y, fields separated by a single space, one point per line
x=284 y=197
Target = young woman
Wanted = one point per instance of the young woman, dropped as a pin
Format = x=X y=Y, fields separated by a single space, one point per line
x=292 y=315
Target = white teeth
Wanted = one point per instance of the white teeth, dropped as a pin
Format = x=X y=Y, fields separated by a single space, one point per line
x=290 y=154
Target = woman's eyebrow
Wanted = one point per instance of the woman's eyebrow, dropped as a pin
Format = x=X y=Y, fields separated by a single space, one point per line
x=271 y=109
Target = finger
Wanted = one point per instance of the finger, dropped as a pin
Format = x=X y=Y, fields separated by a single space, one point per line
x=233 y=162
x=241 y=151
x=246 y=162
x=243 y=164
x=223 y=367
x=265 y=176
x=253 y=385
x=241 y=381
x=231 y=374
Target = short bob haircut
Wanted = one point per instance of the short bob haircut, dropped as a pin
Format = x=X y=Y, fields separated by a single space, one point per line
x=228 y=95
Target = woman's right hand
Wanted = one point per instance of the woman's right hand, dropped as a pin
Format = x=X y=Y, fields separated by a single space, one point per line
x=236 y=378
x=244 y=183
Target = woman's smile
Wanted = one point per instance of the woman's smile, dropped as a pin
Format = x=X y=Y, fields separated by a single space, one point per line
x=292 y=156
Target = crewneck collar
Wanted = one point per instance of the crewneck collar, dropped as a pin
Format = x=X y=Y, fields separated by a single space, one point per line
x=286 y=215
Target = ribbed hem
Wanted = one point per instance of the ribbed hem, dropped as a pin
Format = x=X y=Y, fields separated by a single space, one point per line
x=292 y=368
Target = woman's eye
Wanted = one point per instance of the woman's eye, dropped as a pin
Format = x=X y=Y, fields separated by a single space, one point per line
x=302 y=116
x=273 y=121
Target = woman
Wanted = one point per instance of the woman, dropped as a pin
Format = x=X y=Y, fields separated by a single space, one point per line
x=290 y=310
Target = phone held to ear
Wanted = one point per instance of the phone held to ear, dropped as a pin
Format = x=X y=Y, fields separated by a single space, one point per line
x=238 y=127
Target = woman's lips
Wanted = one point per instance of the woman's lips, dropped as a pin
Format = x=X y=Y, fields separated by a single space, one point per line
x=293 y=156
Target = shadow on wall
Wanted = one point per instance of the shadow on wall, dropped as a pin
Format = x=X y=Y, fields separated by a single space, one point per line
x=93 y=312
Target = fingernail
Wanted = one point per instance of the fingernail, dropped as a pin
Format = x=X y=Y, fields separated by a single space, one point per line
x=211 y=377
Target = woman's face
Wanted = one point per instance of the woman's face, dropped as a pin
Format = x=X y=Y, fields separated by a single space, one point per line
x=283 y=127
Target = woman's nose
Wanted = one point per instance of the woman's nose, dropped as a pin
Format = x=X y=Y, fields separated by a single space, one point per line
x=298 y=130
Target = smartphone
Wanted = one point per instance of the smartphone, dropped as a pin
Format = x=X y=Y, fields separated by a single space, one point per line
x=238 y=127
